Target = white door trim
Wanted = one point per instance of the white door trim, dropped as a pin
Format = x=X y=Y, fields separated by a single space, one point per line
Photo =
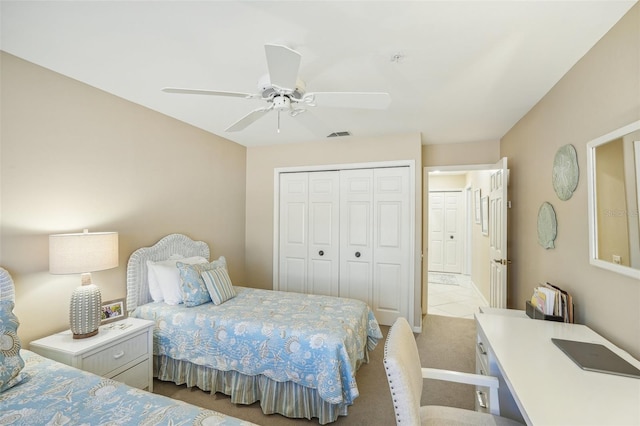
x=425 y=230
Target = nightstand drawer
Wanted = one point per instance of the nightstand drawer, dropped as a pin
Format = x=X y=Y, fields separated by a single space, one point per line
x=116 y=356
x=137 y=376
x=121 y=350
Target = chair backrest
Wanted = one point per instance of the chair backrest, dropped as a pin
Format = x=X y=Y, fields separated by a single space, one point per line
x=404 y=372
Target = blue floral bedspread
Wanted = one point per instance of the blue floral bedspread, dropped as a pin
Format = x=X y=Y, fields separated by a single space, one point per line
x=315 y=341
x=52 y=393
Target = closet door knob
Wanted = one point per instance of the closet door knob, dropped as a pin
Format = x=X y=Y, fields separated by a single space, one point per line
x=357 y=254
x=321 y=253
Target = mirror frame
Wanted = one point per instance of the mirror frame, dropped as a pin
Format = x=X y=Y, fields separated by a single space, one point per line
x=593 y=225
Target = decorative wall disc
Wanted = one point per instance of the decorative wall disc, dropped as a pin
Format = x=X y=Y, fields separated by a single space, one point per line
x=547 y=226
x=565 y=172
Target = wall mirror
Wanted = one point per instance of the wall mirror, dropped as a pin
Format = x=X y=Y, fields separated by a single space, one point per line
x=613 y=165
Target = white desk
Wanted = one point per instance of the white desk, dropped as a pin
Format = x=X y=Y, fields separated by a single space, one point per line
x=546 y=386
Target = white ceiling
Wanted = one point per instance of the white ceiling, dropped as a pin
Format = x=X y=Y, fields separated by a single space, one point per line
x=468 y=70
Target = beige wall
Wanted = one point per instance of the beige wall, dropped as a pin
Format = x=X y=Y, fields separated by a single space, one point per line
x=74 y=157
x=480 y=179
x=599 y=94
x=461 y=154
x=447 y=182
x=261 y=163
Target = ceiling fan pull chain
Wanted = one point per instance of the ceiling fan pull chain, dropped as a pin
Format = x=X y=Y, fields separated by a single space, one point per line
x=278 y=121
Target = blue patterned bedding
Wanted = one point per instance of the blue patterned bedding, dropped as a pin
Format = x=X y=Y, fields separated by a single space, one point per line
x=315 y=341
x=54 y=393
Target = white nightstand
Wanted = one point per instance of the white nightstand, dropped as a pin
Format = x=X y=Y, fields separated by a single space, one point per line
x=122 y=351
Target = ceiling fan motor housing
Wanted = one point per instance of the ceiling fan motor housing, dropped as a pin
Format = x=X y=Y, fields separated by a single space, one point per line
x=267 y=91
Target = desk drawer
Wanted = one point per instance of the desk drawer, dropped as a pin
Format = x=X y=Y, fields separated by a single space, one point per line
x=482 y=356
x=481 y=393
x=116 y=356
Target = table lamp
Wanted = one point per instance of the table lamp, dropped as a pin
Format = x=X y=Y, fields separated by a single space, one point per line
x=83 y=253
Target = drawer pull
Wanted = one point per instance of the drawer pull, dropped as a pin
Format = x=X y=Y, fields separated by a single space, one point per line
x=481 y=348
x=482 y=399
x=118 y=355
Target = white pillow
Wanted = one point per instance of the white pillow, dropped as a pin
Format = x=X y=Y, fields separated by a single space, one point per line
x=154 y=285
x=164 y=278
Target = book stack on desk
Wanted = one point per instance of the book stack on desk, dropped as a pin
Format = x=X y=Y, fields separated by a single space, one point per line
x=550 y=302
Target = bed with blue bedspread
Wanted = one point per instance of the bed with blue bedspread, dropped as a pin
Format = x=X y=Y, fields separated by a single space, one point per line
x=54 y=393
x=295 y=353
x=35 y=390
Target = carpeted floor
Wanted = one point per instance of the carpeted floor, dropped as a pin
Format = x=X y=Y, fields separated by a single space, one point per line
x=446 y=342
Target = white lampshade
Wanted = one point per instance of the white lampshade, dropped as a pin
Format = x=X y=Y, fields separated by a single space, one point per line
x=82 y=252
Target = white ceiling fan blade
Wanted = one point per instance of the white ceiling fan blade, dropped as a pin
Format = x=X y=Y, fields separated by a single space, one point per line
x=283 y=64
x=248 y=119
x=313 y=123
x=364 y=100
x=208 y=92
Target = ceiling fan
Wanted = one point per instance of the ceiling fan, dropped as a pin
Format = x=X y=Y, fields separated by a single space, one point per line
x=284 y=92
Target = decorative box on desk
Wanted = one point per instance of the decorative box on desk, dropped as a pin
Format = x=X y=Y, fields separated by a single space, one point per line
x=122 y=351
x=534 y=313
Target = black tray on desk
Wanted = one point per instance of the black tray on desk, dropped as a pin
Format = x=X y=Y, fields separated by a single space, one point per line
x=532 y=312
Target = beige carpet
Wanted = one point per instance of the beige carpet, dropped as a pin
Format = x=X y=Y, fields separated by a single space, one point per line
x=445 y=342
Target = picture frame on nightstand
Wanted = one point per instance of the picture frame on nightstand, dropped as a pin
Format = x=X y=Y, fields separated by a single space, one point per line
x=113 y=310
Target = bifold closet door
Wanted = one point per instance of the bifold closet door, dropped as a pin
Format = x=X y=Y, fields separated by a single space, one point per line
x=392 y=290
x=309 y=232
x=346 y=233
x=356 y=234
x=374 y=240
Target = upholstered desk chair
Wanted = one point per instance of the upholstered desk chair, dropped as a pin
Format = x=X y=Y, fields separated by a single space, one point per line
x=405 y=376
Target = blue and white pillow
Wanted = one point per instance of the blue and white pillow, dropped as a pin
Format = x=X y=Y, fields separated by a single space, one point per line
x=219 y=285
x=11 y=363
x=164 y=278
x=192 y=287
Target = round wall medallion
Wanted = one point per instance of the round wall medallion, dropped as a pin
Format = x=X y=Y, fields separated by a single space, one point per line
x=547 y=226
x=565 y=172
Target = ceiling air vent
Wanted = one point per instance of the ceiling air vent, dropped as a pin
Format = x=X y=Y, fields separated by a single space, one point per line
x=339 y=134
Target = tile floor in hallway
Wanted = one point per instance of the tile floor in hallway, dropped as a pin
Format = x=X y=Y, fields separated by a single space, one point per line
x=452 y=295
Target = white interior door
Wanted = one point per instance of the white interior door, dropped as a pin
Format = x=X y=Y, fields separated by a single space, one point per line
x=391 y=218
x=293 y=232
x=453 y=240
x=356 y=235
x=324 y=233
x=446 y=236
x=498 y=260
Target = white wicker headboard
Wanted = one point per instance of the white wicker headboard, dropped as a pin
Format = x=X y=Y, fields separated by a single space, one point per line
x=137 y=284
x=7 y=289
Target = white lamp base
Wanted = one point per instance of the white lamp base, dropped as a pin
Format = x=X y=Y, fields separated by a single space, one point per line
x=85 y=311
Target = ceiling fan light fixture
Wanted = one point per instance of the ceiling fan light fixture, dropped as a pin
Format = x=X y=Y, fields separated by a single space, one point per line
x=281 y=102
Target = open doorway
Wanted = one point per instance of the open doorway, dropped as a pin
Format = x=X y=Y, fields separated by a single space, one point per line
x=456 y=276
